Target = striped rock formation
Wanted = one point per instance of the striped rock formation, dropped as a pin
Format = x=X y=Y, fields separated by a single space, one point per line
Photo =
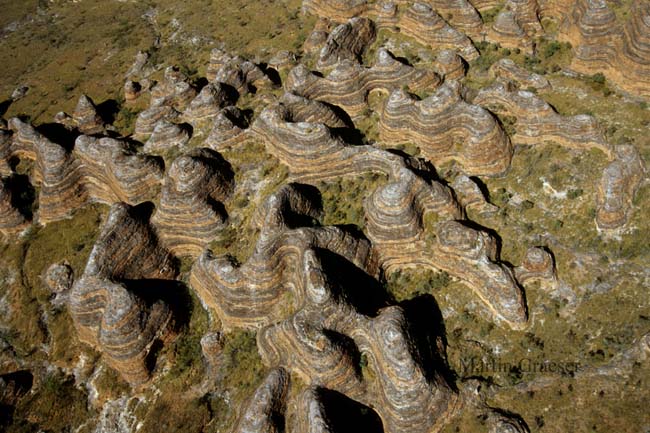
x=470 y=196
x=265 y=411
x=146 y=121
x=349 y=83
x=112 y=306
x=347 y=42
x=421 y=22
x=166 y=135
x=11 y=220
x=257 y=292
x=461 y=14
x=445 y=127
x=400 y=236
x=600 y=43
x=208 y=103
x=191 y=212
x=507 y=70
x=6 y=144
x=113 y=172
x=538 y=265
x=537 y=121
x=313 y=152
x=86 y=118
x=132 y=90
x=321 y=341
x=174 y=90
x=228 y=129
x=417 y=20
x=241 y=74
x=449 y=65
x=57 y=172
x=617 y=187
x=507 y=32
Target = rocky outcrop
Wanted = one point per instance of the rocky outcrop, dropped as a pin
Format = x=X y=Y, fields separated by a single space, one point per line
x=112 y=306
x=265 y=411
x=417 y=20
x=470 y=196
x=114 y=172
x=507 y=70
x=445 y=127
x=257 y=292
x=449 y=65
x=86 y=118
x=191 y=212
x=209 y=102
x=146 y=121
x=174 y=90
x=228 y=129
x=57 y=172
x=236 y=72
x=537 y=121
x=349 y=84
x=617 y=187
x=166 y=135
x=538 y=265
x=319 y=343
x=507 y=32
x=464 y=252
x=395 y=212
x=347 y=42
x=600 y=43
x=132 y=90
x=423 y=24
x=59 y=277
x=11 y=220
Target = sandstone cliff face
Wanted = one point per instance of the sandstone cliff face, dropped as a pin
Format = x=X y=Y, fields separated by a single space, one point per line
x=112 y=308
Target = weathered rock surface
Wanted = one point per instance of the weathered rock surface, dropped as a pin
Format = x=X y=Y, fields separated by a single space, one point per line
x=228 y=128
x=174 y=90
x=347 y=42
x=59 y=277
x=237 y=72
x=506 y=69
x=601 y=43
x=537 y=121
x=112 y=306
x=349 y=84
x=617 y=187
x=191 y=212
x=256 y=293
x=113 y=172
x=445 y=127
x=208 y=103
x=57 y=172
x=86 y=118
x=166 y=135
x=265 y=410
x=11 y=220
x=538 y=264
